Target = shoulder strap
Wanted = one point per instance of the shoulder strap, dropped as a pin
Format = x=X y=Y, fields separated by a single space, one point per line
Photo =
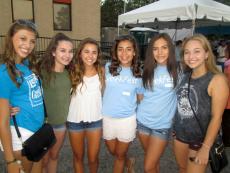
x=45 y=112
x=194 y=113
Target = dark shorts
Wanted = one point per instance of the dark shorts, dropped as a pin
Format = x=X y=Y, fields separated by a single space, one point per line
x=83 y=126
x=192 y=145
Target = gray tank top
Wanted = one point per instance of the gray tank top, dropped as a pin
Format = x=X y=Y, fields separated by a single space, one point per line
x=186 y=126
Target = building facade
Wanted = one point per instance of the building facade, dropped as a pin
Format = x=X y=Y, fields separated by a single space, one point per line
x=76 y=18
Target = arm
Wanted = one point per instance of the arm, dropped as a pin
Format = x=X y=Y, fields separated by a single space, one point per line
x=218 y=90
x=5 y=136
x=139 y=98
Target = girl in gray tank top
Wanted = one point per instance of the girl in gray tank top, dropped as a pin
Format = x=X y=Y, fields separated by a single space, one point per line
x=203 y=91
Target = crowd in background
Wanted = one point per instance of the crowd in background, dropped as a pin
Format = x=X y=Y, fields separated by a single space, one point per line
x=179 y=95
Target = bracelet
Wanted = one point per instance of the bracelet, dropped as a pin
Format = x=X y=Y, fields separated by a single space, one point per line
x=12 y=161
x=206 y=146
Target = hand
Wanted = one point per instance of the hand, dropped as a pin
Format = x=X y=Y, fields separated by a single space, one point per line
x=14 y=111
x=202 y=156
x=14 y=167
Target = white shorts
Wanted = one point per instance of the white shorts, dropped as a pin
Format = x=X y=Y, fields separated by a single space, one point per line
x=16 y=142
x=123 y=129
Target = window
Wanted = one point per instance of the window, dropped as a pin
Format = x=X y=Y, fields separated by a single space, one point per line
x=22 y=9
x=62 y=15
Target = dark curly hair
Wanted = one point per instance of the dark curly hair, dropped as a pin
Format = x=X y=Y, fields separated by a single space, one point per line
x=115 y=68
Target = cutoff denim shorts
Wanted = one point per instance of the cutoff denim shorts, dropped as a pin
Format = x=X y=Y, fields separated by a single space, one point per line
x=83 y=126
x=164 y=134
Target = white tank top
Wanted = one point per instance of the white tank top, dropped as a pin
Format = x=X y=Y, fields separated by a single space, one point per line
x=86 y=104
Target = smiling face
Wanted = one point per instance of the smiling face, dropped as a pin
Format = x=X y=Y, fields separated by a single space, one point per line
x=63 y=54
x=125 y=53
x=24 y=42
x=89 y=54
x=161 y=51
x=194 y=54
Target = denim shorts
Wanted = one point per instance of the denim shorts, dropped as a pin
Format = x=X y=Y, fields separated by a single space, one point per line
x=59 y=127
x=164 y=134
x=83 y=126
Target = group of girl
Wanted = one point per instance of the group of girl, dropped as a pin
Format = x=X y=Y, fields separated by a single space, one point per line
x=83 y=97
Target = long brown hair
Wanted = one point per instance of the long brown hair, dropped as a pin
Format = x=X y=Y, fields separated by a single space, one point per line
x=150 y=63
x=48 y=61
x=115 y=68
x=78 y=73
x=9 y=54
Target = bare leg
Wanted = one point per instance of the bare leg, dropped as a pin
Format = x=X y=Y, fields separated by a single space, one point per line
x=154 y=148
x=121 y=150
x=51 y=158
x=181 y=151
x=26 y=164
x=93 y=146
x=37 y=167
x=77 y=144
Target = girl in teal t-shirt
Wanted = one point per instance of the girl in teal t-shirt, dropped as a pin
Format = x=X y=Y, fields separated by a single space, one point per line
x=19 y=87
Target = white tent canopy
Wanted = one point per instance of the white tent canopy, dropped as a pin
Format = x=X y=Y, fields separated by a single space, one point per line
x=177 y=14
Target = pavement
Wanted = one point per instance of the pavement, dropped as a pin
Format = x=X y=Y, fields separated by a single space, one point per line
x=167 y=163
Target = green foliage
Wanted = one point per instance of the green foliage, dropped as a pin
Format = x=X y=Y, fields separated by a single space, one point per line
x=226 y=2
x=110 y=9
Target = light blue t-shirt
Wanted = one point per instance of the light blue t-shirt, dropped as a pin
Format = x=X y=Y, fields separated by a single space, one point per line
x=158 y=106
x=27 y=97
x=120 y=95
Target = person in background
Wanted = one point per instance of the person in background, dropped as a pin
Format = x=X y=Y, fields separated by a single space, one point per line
x=84 y=120
x=19 y=83
x=158 y=104
x=55 y=67
x=178 y=51
x=201 y=98
x=226 y=115
x=221 y=54
x=123 y=79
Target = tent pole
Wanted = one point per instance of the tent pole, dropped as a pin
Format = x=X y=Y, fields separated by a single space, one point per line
x=193 y=26
x=117 y=30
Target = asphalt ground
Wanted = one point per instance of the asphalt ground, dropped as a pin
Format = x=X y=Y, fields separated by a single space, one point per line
x=167 y=162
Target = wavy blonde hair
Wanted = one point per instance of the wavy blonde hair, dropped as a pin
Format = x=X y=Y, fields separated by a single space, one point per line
x=210 y=62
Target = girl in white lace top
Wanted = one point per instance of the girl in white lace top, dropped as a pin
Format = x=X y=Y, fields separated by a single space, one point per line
x=84 y=121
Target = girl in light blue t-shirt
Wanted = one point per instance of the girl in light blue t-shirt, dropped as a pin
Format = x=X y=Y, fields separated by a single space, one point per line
x=120 y=100
x=157 y=107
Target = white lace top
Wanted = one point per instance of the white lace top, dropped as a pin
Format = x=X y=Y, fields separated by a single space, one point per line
x=86 y=104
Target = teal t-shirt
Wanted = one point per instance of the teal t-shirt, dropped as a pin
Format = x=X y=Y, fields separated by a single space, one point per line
x=27 y=97
x=57 y=97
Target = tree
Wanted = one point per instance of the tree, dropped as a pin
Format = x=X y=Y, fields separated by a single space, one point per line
x=227 y=2
x=111 y=9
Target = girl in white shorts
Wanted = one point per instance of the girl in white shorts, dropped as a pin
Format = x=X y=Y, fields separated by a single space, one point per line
x=120 y=99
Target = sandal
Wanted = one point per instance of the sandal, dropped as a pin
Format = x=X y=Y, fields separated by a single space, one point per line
x=130 y=165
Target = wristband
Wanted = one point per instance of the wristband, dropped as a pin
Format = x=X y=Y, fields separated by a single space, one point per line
x=206 y=146
x=12 y=161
